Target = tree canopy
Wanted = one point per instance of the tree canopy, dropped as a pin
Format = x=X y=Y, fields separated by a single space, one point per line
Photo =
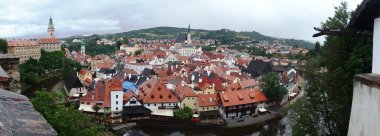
x=32 y=71
x=184 y=114
x=3 y=46
x=272 y=88
x=326 y=106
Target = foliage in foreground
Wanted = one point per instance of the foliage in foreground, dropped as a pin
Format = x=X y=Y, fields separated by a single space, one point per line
x=326 y=106
x=67 y=121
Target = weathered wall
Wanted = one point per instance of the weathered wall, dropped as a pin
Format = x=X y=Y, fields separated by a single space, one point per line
x=19 y=118
x=365 y=112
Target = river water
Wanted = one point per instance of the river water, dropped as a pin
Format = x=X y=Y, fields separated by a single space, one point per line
x=276 y=127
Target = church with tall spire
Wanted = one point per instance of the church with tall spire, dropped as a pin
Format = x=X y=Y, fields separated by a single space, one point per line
x=188 y=36
x=51 y=43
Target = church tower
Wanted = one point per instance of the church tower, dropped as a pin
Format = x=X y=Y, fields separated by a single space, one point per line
x=188 y=36
x=51 y=29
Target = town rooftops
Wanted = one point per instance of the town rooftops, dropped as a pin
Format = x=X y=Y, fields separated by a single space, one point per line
x=72 y=81
x=233 y=98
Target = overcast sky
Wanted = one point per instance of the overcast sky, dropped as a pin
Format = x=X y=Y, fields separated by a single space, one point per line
x=278 y=18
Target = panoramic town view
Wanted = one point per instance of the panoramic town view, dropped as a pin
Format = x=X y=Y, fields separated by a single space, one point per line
x=189 y=68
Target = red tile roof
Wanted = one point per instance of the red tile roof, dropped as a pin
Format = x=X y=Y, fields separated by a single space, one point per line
x=184 y=91
x=14 y=43
x=247 y=83
x=233 y=87
x=48 y=40
x=207 y=100
x=233 y=98
x=128 y=95
x=153 y=91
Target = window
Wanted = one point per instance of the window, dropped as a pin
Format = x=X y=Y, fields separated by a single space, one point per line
x=117 y=102
x=88 y=103
x=148 y=104
x=195 y=103
x=132 y=102
x=207 y=107
x=154 y=104
x=193 y=98
x=117 y=96
x=82 y=102
x=117 y=108
x=203 y=108
x=214 y=108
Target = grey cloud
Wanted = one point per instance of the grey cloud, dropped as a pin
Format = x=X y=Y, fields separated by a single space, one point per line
x=278 y=18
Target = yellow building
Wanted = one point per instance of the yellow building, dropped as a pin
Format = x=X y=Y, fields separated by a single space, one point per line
x=24 y=49
x=187 y=96
x=129 y=50
x=208 y=106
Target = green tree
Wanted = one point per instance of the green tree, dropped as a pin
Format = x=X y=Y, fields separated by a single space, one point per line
x=317 y=47
x=326 y=106
x=207 y=48
x=138 y=52
x=272 y=88
x=67 y=121
x=3 y=46
x=184 y=114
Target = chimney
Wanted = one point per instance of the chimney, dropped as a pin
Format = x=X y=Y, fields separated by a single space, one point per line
x=192 y=77
x=77 y=74
x=210 y=99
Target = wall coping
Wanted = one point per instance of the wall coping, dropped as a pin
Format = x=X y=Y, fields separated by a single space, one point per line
x=369 y=79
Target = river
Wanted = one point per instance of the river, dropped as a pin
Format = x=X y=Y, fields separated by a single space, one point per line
x=275 y=127
x=45 y=84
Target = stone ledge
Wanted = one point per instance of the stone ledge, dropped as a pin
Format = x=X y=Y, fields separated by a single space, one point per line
x=369 y=79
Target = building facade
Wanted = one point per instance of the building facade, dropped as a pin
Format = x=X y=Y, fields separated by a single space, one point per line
x=24 y=49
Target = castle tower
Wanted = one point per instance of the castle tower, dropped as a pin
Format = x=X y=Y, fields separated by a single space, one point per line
x=83 y=50
x=51 y=29
x=188 y=36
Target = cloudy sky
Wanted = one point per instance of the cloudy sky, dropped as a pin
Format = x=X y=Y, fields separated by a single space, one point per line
x=278 y=18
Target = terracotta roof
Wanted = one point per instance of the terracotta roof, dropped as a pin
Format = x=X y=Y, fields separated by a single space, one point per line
x=104 y=65
x=107 y=95
x=207 y=100
x=247 y=83
x=233 y=87
x=232 y=98
x=153 y=91
x=217 y=81
x=129 y=71
x=184 y=91
x=48 y=40
x=128 y=95
x=83 y=71
x=115 y=85
x=21 y=43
